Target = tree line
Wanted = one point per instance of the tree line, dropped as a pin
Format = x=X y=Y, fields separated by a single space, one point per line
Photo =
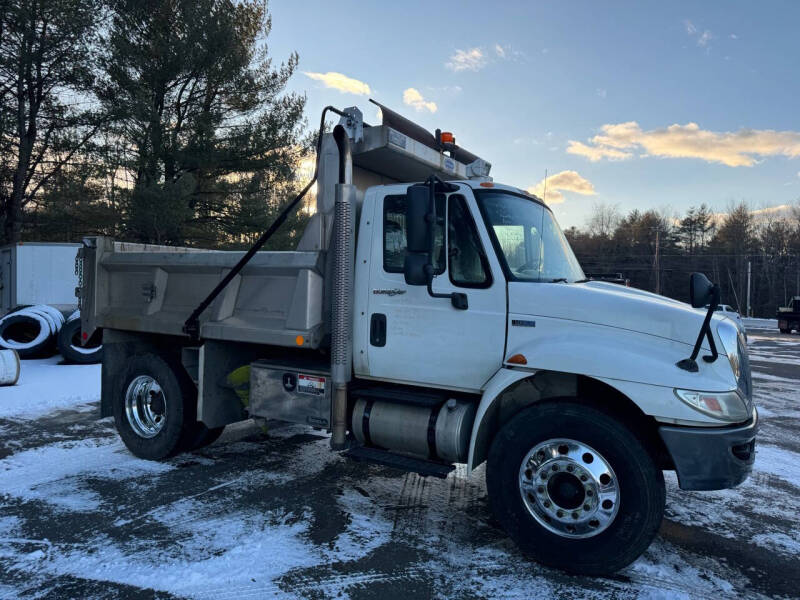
x=160 y=121
x=658 y=252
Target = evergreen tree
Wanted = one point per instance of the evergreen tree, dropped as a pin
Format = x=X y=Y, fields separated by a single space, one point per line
x=200 y=113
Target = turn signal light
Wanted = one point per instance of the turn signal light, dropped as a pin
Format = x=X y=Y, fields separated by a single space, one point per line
x=518 y=359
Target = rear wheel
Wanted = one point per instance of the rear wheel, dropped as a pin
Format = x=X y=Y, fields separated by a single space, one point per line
x=574 y=488
x=786 y=331
x=155 y=407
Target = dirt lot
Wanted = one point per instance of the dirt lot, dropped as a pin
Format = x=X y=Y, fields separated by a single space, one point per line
x=279 y=515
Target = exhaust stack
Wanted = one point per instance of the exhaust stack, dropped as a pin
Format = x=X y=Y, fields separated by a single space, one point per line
x=342 y=309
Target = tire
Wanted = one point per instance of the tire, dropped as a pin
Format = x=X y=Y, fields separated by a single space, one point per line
x=28 y=333
x=69 y=344
x=786 y=331
x=604 y=538
x=165 y=429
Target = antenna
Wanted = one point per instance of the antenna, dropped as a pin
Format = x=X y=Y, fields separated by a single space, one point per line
x=544 y=193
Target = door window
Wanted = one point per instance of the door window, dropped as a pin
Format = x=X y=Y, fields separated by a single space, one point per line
x=466 y=259
x=394 y=234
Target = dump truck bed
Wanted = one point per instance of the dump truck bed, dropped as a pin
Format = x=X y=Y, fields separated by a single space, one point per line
x=277 y=297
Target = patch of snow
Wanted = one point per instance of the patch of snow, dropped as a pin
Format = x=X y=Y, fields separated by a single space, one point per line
x=241 y=558
x=778 y=541
x=45 y=386
x=53 y=473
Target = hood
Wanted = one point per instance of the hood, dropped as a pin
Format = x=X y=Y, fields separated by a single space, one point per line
x=611 y=305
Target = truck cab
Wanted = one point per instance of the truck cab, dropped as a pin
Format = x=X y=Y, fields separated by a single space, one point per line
x=431 y=316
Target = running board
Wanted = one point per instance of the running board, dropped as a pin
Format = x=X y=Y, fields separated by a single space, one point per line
x=398 y=461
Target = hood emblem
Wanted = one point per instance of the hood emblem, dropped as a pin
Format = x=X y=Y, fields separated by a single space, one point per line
x=395 y=292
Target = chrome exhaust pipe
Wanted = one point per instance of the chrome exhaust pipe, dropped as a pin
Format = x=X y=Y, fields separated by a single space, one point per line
x=342 y=309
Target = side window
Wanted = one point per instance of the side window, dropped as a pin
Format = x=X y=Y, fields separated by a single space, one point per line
x=466 y=258
x=394 y=234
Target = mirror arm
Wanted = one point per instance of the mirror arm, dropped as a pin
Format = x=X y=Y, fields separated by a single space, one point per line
x=457 y=299
x=690 y=364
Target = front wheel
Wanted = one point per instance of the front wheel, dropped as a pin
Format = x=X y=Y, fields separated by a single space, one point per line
x=574 y=488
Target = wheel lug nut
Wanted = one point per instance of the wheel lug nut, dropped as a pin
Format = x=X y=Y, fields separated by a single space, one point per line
x=570 y=468
x=575 y=515
x=559 y=513
x=547 y=503
x=586 y=507
x=555 y=467
x=540 y=489
x=589 y=493
x=583 y=477
x=544 y=475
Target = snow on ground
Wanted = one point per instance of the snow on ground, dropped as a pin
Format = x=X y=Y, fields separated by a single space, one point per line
x=281 y=516
x=47 y=385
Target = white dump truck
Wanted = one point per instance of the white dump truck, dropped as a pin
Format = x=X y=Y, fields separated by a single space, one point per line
x=430 y=316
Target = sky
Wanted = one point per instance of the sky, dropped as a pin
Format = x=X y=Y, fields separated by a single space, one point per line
x=662 y=105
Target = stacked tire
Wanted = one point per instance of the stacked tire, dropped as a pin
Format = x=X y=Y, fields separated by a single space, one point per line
x=70 y=346
x=32 y=330
x=40 y=331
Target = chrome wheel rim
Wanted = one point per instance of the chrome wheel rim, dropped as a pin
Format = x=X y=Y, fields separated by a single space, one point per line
x=145 y=406
x=569 y=488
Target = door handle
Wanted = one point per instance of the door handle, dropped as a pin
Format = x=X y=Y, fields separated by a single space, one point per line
x=377 y=330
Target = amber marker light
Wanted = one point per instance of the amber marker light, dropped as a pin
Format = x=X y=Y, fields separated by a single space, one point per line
x=487 y=184
x=448 y=138
x=517 y=359
x=299 y=340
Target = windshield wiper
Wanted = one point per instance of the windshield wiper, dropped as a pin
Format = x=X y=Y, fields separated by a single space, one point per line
x=558 y=280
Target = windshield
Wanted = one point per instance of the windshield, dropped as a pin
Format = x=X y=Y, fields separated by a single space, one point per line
x=528 y=239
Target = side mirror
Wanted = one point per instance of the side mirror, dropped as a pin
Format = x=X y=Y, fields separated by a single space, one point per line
x=415 y=268
x=701 y=290
x=418 y=225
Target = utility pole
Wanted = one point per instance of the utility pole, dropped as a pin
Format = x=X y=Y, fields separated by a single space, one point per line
x=657 y=264
x=748 y=289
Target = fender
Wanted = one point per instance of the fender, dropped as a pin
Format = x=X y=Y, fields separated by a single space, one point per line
x=640 y=366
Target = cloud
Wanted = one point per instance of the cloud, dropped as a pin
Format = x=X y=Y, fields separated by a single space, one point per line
x=601 y=92
x=500 y=51
x=596 y=153
x=467 y=60
x=338 y=81
x=740 y=148
x=565 y=181
x=413 y=98
x=733 y=36
x=703 y=38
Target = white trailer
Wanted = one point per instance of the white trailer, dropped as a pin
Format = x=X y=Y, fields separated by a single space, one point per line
x=37 y=273
x=429 y=324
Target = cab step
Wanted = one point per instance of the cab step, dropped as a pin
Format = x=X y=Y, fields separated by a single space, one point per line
x=398 y=461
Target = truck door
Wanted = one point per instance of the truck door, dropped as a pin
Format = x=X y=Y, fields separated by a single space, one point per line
x=414 y=338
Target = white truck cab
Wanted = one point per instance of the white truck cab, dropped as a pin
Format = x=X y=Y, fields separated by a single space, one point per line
x=431 y=316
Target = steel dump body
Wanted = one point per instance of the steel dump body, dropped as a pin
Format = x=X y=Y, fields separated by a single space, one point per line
x=274 y=299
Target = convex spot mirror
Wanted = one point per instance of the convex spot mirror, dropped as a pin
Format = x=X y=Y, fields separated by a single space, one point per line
x=701 y=290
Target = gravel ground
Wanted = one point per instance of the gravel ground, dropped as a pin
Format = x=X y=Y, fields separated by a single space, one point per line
x=280 y=515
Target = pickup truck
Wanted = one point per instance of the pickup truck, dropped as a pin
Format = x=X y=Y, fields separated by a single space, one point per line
x=789 y=316
x=430 y=316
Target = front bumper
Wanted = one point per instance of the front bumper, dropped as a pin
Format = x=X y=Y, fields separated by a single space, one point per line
x=712 y=458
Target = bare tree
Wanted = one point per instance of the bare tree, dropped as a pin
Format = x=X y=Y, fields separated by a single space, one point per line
x=46 y=77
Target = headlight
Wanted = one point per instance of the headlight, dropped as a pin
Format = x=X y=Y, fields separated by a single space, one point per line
x=729 y=336
x=727 y=406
